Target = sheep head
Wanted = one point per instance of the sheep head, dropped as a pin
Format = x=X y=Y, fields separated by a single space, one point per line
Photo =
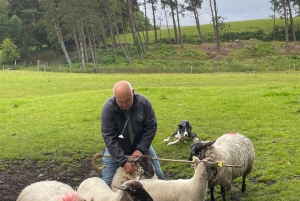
x=199 y=148
x=144 y=166
x=135 y=190
x=210 y=165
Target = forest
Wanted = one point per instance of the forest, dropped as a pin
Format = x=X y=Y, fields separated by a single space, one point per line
x=86 y=28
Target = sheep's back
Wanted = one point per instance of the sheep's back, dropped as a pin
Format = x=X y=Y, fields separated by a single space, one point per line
x=232 y=149
x=45 y=190
x=193 y=189
x=95 y=188
x=174 y=190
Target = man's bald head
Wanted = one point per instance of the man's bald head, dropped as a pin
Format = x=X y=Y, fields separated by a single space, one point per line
x=123 y=92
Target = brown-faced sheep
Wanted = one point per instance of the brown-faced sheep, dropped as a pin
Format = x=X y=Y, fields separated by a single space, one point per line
x=144 y=166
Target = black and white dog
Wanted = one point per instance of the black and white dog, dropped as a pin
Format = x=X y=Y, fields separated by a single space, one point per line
x=184 y=130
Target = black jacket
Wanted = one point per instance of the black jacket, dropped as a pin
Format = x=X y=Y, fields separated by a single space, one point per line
x=113 y=120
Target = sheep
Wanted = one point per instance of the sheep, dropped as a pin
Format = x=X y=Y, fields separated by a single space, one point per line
x=233 y=148
x=95 y=188
x=144 y=166
x=193 y=189
x=49 y=191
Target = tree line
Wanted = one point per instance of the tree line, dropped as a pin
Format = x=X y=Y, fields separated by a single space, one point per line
x=85 y=26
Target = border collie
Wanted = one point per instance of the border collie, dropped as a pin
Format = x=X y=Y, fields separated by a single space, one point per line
x=184 y=130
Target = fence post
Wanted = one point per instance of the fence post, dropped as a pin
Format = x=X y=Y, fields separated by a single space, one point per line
x=294 y=67
x=38 y=64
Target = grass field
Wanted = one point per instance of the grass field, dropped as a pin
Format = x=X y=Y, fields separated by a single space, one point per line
x=52 y=116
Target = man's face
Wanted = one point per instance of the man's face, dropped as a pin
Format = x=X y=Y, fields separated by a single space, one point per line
x=125 y=100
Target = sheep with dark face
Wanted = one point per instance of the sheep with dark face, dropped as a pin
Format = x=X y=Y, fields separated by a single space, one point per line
x=49 y=191
x=97 y=190
x=144 y=170
x=232 y=148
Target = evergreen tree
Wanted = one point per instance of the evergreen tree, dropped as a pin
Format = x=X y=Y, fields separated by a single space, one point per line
x=9 y=51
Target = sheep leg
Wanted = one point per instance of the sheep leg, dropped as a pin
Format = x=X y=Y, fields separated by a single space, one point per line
x=212 y=197
x=223 y=193
x=244 y=183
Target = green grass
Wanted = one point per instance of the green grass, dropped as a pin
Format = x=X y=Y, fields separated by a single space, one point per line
x=56 y=116
x=237 y=26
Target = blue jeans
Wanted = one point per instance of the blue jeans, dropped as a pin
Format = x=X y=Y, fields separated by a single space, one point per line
x=111 y=166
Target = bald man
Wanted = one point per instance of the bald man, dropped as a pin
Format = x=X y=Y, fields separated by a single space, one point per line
x=128 y=126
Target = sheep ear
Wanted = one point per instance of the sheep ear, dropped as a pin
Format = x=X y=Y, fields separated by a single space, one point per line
x=195 y=158
x=195 y=140
x=206 y=144
x=122 y=187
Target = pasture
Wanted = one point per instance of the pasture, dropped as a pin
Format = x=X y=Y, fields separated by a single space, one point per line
x=49 y=116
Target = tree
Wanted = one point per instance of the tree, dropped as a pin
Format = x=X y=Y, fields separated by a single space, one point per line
x=30 y=13
x=178 y=22
x=286 y=24
x=10 y=26
x=193 y=6
x=172 y=6
x=10 y=51
x=214 y=16
x=223 y=26
x=153 y=6
x=288 y=2
x=52 y=21
x=276 y=7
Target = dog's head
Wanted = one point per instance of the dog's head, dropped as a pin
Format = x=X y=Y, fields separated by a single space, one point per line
x=185 y=128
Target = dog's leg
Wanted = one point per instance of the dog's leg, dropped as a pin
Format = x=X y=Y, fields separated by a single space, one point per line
x=174 y=142
x=167 y=139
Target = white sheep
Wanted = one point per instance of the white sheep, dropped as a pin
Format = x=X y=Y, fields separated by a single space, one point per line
x=49 y=191
x=193 y=189
x=232 y=148
x=144 y=166
x=96 y=189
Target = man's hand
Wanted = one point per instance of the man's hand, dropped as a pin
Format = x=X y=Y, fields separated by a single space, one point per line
x=136 y=153
x=129 y=167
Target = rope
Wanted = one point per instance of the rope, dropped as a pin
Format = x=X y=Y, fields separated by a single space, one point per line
x=158 y=159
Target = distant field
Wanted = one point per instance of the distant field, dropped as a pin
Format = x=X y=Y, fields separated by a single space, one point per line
x=51 y=116
x=238 y=26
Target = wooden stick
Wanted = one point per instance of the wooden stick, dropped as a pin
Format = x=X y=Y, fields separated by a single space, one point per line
x=180 y=161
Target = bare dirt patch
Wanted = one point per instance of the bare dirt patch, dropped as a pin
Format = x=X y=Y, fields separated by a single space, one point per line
x=23 y=173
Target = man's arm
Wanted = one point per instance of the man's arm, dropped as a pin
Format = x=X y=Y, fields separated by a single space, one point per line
x=109 y=135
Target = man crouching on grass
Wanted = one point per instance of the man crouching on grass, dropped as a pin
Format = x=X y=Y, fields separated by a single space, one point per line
x=128 y=125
